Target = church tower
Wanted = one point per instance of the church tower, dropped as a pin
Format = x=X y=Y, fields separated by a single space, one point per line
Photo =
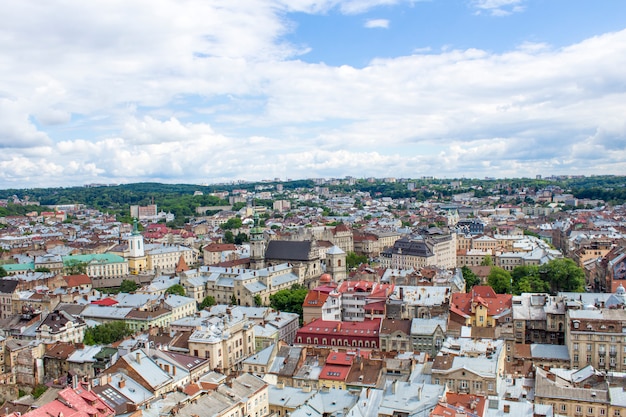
x=336 y=263
x=136 y=255
x=257 y=245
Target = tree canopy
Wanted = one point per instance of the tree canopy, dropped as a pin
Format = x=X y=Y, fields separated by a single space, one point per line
x=208 y=301
x=3 y=272
x=470 y=277
x=500 y=280
x=289 y=300
x=128 y=286
x=176 y=289
x=353 y=260
x=104 y=334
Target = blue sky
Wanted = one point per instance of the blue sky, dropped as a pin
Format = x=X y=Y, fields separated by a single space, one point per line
x=206 y=91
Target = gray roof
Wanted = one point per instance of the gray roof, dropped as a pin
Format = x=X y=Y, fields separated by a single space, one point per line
x=288 y=250
x=545 y=351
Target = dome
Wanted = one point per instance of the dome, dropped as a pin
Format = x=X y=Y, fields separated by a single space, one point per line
x=620 y=290
x=326 y=278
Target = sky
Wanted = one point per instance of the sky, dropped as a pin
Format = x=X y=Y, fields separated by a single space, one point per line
x=210 y=91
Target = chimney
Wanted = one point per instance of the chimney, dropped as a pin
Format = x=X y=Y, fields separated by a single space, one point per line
x=174 y=370
x=122 y=383
x=138 y=357
x=507 y=408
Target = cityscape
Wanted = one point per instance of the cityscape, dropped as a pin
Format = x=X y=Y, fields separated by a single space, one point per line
x=312 y=208
x=317 y=297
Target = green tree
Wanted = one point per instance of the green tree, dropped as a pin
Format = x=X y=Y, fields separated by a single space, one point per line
x=3 y=272
x=229 y=237
x=39 y=390
x=241 y=238
x=487 y=261
x=563 y=275
x=499 y=280
x=353 y=260
x=471 y=278
x=208 y=301
x=232 y=223
x=289 y=300
x=75 y=267
x=258 y=301
x=176 y=289
x=104 y=334
x=128 y=286
x=233 y=300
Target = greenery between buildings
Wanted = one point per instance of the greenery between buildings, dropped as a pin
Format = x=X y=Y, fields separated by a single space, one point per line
x=106 y=333
x=289 y=300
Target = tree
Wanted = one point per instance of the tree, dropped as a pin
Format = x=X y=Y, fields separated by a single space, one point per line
x=241 y=238
x=487 y=261
x=499 y=280
x=75 y=267
x=527 y=279
x=258 y=301
x=176 y=289
x=563 y=275
x=233 y=300
x=353 y=260
x=471 y=278
x=128 y=286
x=232 y=223
x=289 y=300
x=104 y=334
x=229 y=237
x=208 y=301
x=42 y=269
x=3 y=272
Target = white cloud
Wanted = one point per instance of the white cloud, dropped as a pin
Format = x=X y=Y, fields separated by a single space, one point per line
x=377 y=23
x=499 y=7
x=193 y=92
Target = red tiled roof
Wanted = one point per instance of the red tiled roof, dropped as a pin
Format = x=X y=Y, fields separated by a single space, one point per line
x=77 y=280
x=485 y=295
x=339 y=358
x=315 y=299
x=105 y=302
x=335 y=372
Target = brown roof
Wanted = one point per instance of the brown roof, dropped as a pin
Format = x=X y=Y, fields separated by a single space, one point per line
x=219 y=247
x=181 y=265
x=389 y=326
x=60 y=350
x=77 y=280
x=443 y=362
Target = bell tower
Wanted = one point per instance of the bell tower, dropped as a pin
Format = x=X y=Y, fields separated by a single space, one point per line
x=257 y=245
x=137 y=261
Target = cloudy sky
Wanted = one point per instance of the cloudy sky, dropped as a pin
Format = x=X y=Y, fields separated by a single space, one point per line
x=205 y=91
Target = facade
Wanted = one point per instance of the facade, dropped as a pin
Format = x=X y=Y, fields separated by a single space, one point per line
x=539 y=318
x=596 y=338
x=431 y=248
x=7 y=288
x=427 y=335
x=395 y=335
x=60 y=326
x=471 y=366
x=480 y=308
x=103 y=265
x=224 y=341
x=363 y=334
x=573 y=393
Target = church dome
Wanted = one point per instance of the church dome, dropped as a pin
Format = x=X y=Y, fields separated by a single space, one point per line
x=326 y=279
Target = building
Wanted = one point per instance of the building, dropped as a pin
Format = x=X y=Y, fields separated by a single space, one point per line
x=363 y=334
x=60 y=326
x=471 y=366
x=480 y=309
x=144 y=212
x=431 y=248
x=7 y=288
x=224 y=341
x=572 y=392
x=539 y=318
x=595 y=338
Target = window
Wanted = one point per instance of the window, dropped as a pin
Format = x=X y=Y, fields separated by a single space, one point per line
x=563 y=408
x=575 y=346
